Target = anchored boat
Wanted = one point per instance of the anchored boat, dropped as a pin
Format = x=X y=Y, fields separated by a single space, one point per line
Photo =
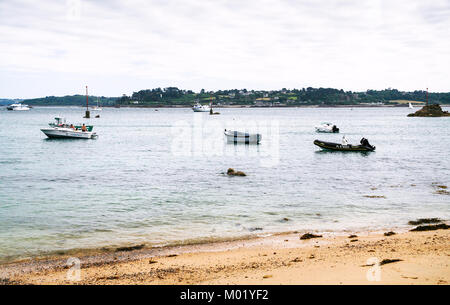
x=96 y=108
x=201 y=108
x=18 y=107
x=63 y=132
x=327 y=127
x=364 y=146
x=242 y=137
x=61 y=122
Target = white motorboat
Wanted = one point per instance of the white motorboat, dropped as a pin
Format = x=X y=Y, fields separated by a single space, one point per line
x=61 y=122
x=64 y=132
x=327 y=127
x=242 y=137
x=201 y=108
x=18 y=107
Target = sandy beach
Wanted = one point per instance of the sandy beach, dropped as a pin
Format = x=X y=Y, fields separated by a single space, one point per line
x=406 y=258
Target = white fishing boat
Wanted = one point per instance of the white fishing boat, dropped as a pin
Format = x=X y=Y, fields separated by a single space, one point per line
x=242 y=137
x=18 y=107
x=327 y=127
x=411 y=106
x=201 y=108
x=64 y=132
x=61 y=123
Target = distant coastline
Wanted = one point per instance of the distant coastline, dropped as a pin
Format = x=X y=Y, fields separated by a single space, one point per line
x=244 y=106
x=172 y=97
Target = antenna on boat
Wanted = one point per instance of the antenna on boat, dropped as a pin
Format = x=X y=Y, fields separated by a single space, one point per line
x=88 y=115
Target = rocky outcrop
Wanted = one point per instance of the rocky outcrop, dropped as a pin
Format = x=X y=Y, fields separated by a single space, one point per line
x=430 y=111
x=232 y=172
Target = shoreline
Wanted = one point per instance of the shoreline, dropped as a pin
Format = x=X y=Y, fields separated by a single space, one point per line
x=279 y=255
x=184 y=244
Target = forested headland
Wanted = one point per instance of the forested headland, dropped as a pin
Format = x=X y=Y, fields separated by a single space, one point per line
x=173 y=96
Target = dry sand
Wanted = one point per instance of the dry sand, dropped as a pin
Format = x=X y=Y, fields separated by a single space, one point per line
x=281 y=259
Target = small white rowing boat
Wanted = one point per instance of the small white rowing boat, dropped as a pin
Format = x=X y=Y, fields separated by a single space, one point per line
x=242 y=137
x=62 y=132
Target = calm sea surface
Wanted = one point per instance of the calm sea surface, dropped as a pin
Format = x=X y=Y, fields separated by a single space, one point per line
x=156 y=177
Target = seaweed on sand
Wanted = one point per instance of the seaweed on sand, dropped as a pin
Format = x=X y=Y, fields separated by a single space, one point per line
x=388 y=261
x=137 y=247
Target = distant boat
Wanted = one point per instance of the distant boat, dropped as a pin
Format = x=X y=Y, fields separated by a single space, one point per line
x=327 y=127
x=201 y=108
x=96 y=108
x=411 y=106
x=18 y=107
x=242 y=137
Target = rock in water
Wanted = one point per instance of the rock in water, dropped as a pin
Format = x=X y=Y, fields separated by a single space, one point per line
x=421 y=221
x=430 y=111
x=441 y=226
x=232 y=172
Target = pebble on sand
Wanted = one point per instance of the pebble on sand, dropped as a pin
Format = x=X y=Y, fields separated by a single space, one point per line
x=309 y=236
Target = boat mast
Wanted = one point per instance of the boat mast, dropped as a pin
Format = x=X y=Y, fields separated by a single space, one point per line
x=210 y=106
x=87 y=104
x=427 y=97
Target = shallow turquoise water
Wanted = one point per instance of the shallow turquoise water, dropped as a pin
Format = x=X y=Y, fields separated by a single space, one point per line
x=145 y=180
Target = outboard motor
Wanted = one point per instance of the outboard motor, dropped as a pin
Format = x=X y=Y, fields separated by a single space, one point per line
x=365 y=142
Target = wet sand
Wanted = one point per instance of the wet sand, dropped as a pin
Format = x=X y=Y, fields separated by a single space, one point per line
x=281 y=259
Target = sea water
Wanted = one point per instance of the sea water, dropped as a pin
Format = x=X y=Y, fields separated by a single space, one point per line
x=157 y=177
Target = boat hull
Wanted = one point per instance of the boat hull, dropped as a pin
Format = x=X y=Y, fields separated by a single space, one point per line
x=327 y=128
x=341 y=147
x=241 y=137
x=201 y=109
x=18 y=108
x=67 y=133
x=323 y=130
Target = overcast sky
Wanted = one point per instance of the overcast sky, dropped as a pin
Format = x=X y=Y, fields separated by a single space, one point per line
x=117 y=47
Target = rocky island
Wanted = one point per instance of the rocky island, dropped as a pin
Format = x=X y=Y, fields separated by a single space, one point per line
x=430 y=111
